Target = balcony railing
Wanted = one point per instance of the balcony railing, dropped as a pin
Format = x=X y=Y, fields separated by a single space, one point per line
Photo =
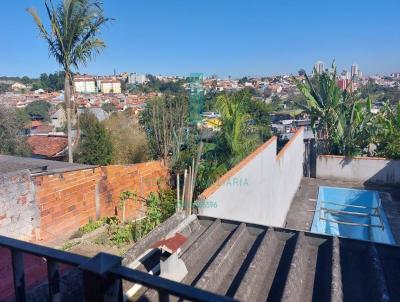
x=102 y=275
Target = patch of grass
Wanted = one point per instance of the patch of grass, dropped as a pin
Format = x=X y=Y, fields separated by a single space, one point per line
x=102 y=239
x=69 y=244
x=89 y=227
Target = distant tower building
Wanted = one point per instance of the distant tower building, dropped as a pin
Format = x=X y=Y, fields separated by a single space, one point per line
x=135 y=78
x=319 y=67
x=346 y=75
x=354 y=70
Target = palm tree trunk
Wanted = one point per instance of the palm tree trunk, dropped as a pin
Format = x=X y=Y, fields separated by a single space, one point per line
x=67 y=98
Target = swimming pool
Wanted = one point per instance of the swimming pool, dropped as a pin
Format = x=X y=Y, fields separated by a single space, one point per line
x=351 y=213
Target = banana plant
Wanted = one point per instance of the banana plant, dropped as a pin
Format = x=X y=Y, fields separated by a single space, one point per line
x=341 y=120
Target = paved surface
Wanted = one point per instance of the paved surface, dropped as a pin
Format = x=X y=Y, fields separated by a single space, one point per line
x=302 y=209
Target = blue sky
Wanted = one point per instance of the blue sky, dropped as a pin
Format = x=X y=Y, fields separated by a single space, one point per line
x=223 y=37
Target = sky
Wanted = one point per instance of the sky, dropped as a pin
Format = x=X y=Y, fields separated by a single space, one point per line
x=223 y=37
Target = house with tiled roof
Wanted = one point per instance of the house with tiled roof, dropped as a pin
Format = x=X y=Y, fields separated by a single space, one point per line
x=48 y=146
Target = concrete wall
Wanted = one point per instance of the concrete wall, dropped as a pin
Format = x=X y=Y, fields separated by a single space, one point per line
x=19 y=214
x=360 y=169
x=259 y=189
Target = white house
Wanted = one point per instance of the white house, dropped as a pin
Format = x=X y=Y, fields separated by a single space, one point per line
x=58 y=118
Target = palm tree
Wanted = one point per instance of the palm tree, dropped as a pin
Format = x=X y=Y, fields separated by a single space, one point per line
x=72 y=40
x=233 y=142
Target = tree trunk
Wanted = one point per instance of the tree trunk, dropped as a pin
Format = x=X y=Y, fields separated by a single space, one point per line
x=67 y=98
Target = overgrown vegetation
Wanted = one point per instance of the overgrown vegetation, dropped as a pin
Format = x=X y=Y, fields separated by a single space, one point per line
x=38 y=108
x=245 y=126
x=128 y=138
x=91 y=226
x=160 y=206
x=95 y=146
x=12 y=124
x=342 y=121
x=164 y=119
x=387 y=134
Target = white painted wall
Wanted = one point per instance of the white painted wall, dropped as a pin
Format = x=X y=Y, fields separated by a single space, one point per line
x=360 y=169
x=262 y=190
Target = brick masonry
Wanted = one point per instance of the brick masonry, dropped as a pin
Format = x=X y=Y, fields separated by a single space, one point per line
x=49 y=208
x=69 y=200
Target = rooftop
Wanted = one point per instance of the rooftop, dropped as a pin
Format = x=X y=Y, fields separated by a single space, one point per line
x=9 y=164
x=251 y=262
x=48 y=146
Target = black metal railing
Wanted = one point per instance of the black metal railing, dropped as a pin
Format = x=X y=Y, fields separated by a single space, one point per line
x=102 y=275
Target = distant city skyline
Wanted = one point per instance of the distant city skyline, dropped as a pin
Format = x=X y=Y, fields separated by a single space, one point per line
x=219 y=37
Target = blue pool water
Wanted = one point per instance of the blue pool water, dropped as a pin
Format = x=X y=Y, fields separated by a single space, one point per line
x=351 y=213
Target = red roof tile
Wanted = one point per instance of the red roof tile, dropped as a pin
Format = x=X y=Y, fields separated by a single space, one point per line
x=171 y=244
x=42 y=129
x=48 y=146
x=36 y=123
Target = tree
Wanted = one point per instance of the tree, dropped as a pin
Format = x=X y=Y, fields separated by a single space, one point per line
x=341 y=120
x=26 y=80
x=164 y=120
x=233 y=142
x=40 y=108
x=259 y=113
x=72 y=40
x=4 y=87
x=388 y=132
x=123 y=198
x=109 y=107
x=128 y=138
x=302 y=72
x=95 y=145
x=12 y=124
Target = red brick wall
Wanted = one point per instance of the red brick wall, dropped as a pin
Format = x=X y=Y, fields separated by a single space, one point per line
x=68 y=200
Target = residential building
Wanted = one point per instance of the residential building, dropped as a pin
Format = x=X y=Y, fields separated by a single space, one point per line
x=18 y=86
x=354 y=70
x=319 y=67
x=58 y=119
x=48 y=146
x=99 y=113
x=135 y=78
x=346 y=84
x=84 y=84
x=110 y=85
x=346 y=75
x=41 y=129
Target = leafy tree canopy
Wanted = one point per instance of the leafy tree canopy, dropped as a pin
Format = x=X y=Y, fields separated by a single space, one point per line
x=95 y=145
x=109 y=107
x=40 y=108
x=12 y=124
